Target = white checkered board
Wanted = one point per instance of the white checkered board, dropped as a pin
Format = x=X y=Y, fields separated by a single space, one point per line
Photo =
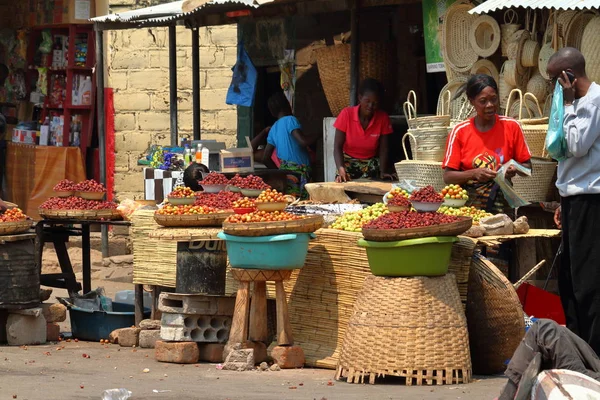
x=158 y=183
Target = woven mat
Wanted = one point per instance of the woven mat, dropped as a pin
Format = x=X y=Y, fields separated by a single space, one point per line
x=321 y=295
x=185 y=234
x=533 y=233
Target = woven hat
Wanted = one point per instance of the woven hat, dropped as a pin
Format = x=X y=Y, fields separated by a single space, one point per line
x=563 y=22
x=547 y=50
x=485 y=36
x=486 y=67
x=459 y=54
x=576 y=27
x=589 y=48
x=507 y=29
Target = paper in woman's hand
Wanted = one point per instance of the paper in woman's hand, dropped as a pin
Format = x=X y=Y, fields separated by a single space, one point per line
x=513 y=199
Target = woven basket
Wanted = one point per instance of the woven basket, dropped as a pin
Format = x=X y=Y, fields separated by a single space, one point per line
x=484 y=36
x=504 y=88
x=589 y=48
x=307 y=224
x=458 y=52
x=576 y=28
x=413 y=328
x=376 y=61
x=415 y=122
x=443 y=103
x=535 y=127
x=87 y=215
x=563 y=21
x=547 y=49
x=531 y=48
x=507 y=29
x=215 y=219
x=428 y=144
x=494 y=316
x=547 y=105
x=527 y=102
x=455 y=105
x=538 y=86
x=391 y=235
x=11 y=228
x=422 y=172
x=538 y=187
x=510 y=72
x=486 y=67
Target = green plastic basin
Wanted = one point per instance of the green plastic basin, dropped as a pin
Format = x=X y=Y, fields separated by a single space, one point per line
x=415 y=257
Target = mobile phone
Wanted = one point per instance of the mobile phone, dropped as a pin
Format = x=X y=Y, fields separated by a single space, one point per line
x=570 y=76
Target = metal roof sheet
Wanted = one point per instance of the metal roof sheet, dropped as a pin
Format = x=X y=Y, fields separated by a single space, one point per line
x=493 y=5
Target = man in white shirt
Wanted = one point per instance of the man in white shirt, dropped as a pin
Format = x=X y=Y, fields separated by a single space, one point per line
x=579 y=186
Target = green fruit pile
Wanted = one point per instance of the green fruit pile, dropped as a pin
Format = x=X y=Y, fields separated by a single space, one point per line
x=472 y=212
x=354 y=221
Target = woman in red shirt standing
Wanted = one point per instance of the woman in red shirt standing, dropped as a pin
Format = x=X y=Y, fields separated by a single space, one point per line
x=479 y=146
x=361 y=133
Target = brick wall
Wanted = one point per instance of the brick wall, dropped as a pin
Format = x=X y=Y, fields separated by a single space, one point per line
x=138 y=63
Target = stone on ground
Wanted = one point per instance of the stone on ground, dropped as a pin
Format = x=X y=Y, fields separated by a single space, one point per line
x=114 y=336
x=45 y=294
x=129 y=337
x=150 y=324
x=288 y=356
x=24 y=330
x=211 y=352
x=52 y=332
x=148 y=338
x=177 y=352
x=54 y=312
x=240 y=360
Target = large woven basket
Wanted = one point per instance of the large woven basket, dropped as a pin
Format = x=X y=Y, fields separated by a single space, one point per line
x=422 y=172
x=215 y=219
x=494 y=316
x=484 y=36
x=504 y=88
x=307 y=224
x=564 y=21
x=392 y=235
x=531 y=47
x=455 y=105
x=88 y=215
x=547 y=49
x=415 y=122
x=376 y=61
x=457 y=50
x=539 y=187
x=535 y=127
x=577 y=27
x=414 y=328
x=12 y=228
x=538 y=86
x=507 y=29
x=589 y=48
x=427 y=144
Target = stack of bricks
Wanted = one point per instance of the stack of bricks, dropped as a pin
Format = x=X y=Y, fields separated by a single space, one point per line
x=193 y=327
x=32 y=326
x=138 y=72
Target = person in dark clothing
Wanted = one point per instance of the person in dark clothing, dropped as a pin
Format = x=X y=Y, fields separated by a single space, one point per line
x=193 y=174
x=558 y=347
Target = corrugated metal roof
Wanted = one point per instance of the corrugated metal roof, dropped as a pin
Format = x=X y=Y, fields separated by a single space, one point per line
x=493 y=5
x=172 y=12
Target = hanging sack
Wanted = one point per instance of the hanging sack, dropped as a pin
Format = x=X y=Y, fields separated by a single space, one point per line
x=556 y=143
x=243 y=83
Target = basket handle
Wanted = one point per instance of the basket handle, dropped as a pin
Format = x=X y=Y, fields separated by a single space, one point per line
x=444 y=108
x=510 y=96
x=548 y=32
x=409 y=136
x=510 y=16
x=409 y=111
x=412 y=94
x=537 y=103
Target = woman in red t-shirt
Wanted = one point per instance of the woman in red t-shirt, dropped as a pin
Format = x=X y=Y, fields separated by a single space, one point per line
x=361 y=133
x=478 y=147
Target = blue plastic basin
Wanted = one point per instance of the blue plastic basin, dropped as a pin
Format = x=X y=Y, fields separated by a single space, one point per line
x=286 y=251
x=96 y=325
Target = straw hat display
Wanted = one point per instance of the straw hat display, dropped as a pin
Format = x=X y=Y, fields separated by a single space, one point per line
x=590 y=49
x=486 y=67
x=575 y=30
x=457 y=50
x=531 y=48
x=538 y=86
x=484 y=36
x=547 y=50
x=507 y=29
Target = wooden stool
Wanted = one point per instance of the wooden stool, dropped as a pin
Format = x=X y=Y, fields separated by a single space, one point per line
x=250 y=318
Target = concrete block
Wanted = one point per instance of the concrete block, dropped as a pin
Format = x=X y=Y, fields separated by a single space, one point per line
x=31 y=312
x=125 y=101
x=227 y=120
x=218 y=78
x=151 y=79
x=149 y=338
x=288 y=357
x=118 y=80
x=213 y=99
x=54 y=312
x=129 y=59
x=124 y=122
x=177 y=352
x=52 y=332
x=195 y=328
x=211 y=352
x=25 y=329
x=223 y=35
x=196 y=304
x=150 y=324
x=154 y=121
x=239 y=360
x=129 y=337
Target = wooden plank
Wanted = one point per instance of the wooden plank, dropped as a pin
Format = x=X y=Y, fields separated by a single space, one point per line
x=284 y=328
x=17 y=237
x=239 y=323
x=258 y=313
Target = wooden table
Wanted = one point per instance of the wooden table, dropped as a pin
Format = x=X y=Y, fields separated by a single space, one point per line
x=58 y=231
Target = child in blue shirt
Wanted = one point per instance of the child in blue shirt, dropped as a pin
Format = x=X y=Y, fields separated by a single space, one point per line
x=287 y=138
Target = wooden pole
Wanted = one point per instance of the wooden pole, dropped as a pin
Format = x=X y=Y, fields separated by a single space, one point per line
x=354 y=53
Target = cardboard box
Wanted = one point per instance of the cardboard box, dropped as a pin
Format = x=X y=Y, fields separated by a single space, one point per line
x=24 y=136
x=237 y=160
x=78 y=11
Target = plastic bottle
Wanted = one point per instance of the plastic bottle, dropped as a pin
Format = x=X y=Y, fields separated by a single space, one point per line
x=199 y=154
x=116 y=394
x=86 y=92
x=187 y=155
x=205 y=155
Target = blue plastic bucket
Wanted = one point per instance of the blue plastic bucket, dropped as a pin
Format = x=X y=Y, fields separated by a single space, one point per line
x=286 y=251
x=96 y=325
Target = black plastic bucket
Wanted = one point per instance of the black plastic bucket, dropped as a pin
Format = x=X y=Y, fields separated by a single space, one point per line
x=19 y=275
x=201 y=267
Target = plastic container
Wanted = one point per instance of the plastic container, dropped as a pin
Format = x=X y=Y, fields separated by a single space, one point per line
x=455 y=202
x=181 y=201
x=128 y=297
x=425 y=207
x=234 y=189
x=244 y=210
x=96 y=325
x=116 y=394
x=251 y=192
x=91 y=195
x=64 y=193
x=213 y=188
x=415 y=257
x=270 y=207
x=286 y=251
